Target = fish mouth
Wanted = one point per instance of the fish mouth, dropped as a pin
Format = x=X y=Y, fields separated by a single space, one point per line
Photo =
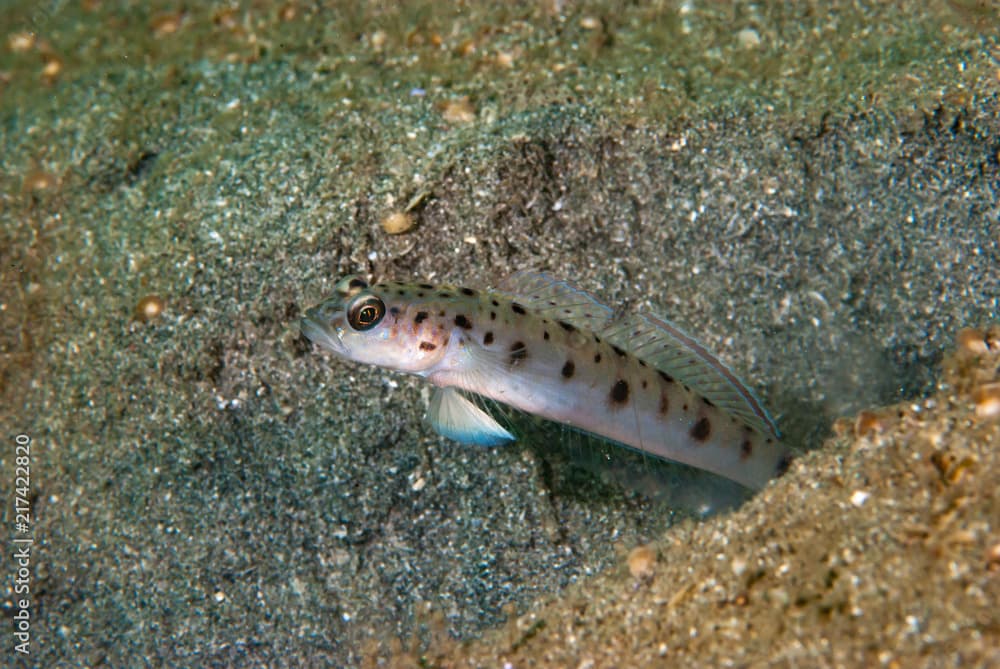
x=317 y=332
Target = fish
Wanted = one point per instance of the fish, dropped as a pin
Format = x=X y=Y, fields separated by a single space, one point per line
x=545 y=347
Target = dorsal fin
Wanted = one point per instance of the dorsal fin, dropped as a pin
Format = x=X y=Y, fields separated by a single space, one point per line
x=557 y=300
x=664 y=346
x=656 y=341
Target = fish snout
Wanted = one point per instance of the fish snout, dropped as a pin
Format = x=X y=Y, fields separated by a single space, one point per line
x=320 y=325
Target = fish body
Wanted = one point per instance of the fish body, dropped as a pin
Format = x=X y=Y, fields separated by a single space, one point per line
x=547 y=348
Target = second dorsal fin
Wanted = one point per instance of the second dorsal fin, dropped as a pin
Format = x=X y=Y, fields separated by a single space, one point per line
x=664 y=346
x=656 y=341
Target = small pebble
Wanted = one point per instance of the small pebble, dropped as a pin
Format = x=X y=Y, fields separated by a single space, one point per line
x=466 y=48
x=39 y=181
x=748 y=38
x=21 y=42
x=227 y=18
x=459 y=111
x=972 y=340
x=504 y=59
x=987 y=400
x=52 y=68
x=149 y=307
x=642 y=562
x=868 y=421
x=166 y=24
x=398 y=222
x=993 y=556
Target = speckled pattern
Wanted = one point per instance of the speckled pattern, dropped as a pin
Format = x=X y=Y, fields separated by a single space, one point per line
x=818 y=204
x=521 y=348
x=894 y=560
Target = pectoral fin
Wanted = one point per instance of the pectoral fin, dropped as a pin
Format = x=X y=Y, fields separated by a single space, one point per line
x=455 y=416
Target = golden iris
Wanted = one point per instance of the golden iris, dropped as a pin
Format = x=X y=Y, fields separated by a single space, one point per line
x=365 y=312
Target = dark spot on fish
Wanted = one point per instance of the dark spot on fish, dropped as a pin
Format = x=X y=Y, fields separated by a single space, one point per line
x=746 y=449
x=441 y=313
x=784 y=463
x=619 y=351
x=420 y=294
x=446 y=340
x=467 y=291
x=707 y=401
x=394 y=311
x=685 y=407
x=493 y=315
x=568 y=369
x=420 y=317
x=642 y=363
x=619 y=392
x=517 y=352
x=444 y=295
x=666 y=377
x=644 y=384
x=494 y=303
x=545 y=335
x=597 y=339
x=568 y=327
x=463 y=322
x=517 y=308
x=427 y=346
x=426 y=286
x=701 y=430
x=401 y=292
x=664 y=403
x=597 y=359
x=487 y=339
x=357 y=283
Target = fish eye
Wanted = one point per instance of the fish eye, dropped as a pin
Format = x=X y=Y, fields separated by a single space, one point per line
x=365 y=312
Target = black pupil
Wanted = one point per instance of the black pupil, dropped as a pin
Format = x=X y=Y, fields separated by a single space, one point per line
x=367 y=314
